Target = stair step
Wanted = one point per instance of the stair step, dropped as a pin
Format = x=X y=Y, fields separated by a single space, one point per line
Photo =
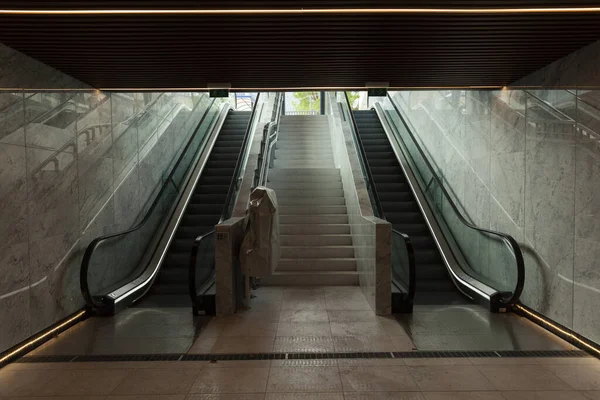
x=310 y=278
x=317 y=252
x=303 y=164
x=312 y=219
x=282 y=186
x=312 y=210
x=316 y=240
x=309 y=193
x=316 y=201
x=314 y=229
x=319 y=264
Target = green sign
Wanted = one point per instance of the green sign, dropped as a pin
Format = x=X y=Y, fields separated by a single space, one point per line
x=377 y=92
x=218 y=92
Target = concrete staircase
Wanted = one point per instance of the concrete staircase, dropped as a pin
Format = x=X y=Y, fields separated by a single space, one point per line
x=316 y=246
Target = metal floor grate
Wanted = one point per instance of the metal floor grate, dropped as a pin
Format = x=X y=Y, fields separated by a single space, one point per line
x=300 y=356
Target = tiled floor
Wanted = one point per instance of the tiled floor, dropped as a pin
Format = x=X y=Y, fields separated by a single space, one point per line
x=371 y=379
x=324 y=319
x=318 y=319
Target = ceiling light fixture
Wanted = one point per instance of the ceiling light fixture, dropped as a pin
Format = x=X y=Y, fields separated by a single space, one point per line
x=531 y=10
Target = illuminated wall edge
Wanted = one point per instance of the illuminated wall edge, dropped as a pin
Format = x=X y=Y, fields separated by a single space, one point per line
x=42 y=337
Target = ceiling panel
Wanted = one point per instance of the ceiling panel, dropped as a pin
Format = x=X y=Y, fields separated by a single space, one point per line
x=299 y=50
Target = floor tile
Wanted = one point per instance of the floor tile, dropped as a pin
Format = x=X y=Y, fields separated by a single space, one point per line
x=351 y=316
x=304 y=363
x=250 y=328
x=142 y=397
x=157 y=381
x=377 y=379
x=384 y=396
x=504 y=361
x=203 y=345
x=450 y=378
x=543 y=395
x=361 y=362
x=592 y=395
x=241 y=344
x=302 y=304
x=304 y=396
x=360 y=328
x=85 y=382
x=231 y=380
x=568 y=360
x=580 y=377
x=303 y=344
x=348 y=344
x=392 y=326
x=214 y=328
x=415 y=362
x=463 y=396
x=304 y=379
x=303 y=329
x=227 y=396
x=237 y=364
x=23 y=382
x=403 y=343
x=303 y=316
x=522 y=377
x=254 y=316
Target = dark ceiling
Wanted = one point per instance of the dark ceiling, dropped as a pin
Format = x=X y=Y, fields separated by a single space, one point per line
x=267 y=51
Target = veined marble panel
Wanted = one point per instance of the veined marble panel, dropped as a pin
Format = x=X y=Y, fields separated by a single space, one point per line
x=508 y=183
x=53 y=193
x=586 y=289
x=16 y=317
x=549 y=185
x=12 y=118
x=549 y=274
x=13 y=194
x=587 y=190
x=14 y=267
x=51 y=121
x=96 y=202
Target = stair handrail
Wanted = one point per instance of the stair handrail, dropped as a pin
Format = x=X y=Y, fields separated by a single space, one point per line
x=513 y=244
x=270 y=137
x=229 y=201
x=89 y=251
x=412 y=271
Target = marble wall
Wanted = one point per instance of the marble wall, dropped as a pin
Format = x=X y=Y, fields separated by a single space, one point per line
x=74 y=164
x=526 y=163
x=371 y=236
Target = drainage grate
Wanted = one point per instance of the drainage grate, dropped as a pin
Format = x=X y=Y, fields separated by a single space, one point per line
x=301 y=356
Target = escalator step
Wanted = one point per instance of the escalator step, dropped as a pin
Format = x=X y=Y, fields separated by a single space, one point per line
x=212 y=189
x=396 y=196
x=199 y=199
x=427 y=256
x=389 y=162
x=400 y=206
x=410 y=217
x=175 y=275
x=396 y=170
x=200 y=220
x=392 y=187
x=431 y=272
x=411 y=229
x=192 y=232
x=205 y=209
x=215 y=180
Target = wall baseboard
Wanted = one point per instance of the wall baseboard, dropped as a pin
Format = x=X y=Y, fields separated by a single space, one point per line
x=42 y=337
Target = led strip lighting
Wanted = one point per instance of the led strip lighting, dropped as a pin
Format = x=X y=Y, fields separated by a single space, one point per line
x=535 y=10
x=42 y=337
x=557 y=328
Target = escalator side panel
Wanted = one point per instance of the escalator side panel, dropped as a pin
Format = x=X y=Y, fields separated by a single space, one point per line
x=202 y=213
x=434 y=285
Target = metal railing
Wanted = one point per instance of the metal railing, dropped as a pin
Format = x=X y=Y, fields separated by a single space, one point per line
x=505 y=299
x=194 y=286
x=270 y=137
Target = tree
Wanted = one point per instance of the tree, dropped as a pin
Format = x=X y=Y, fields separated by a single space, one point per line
x=307 y=101
x=353 y=98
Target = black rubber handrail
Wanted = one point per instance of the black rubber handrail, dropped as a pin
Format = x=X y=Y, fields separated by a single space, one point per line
x=269 y=140
x=227 y=207
x=412 y=274
x=514 y=245
x=89 y=251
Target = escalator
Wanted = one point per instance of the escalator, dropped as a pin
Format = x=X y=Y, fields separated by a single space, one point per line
x=148 y=265
x=202 y=213
x=438 y=254
x=401 y=209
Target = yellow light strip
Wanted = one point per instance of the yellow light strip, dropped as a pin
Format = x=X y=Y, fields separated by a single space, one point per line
x=536 y=10
x=45 y=335
x=558 y=328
